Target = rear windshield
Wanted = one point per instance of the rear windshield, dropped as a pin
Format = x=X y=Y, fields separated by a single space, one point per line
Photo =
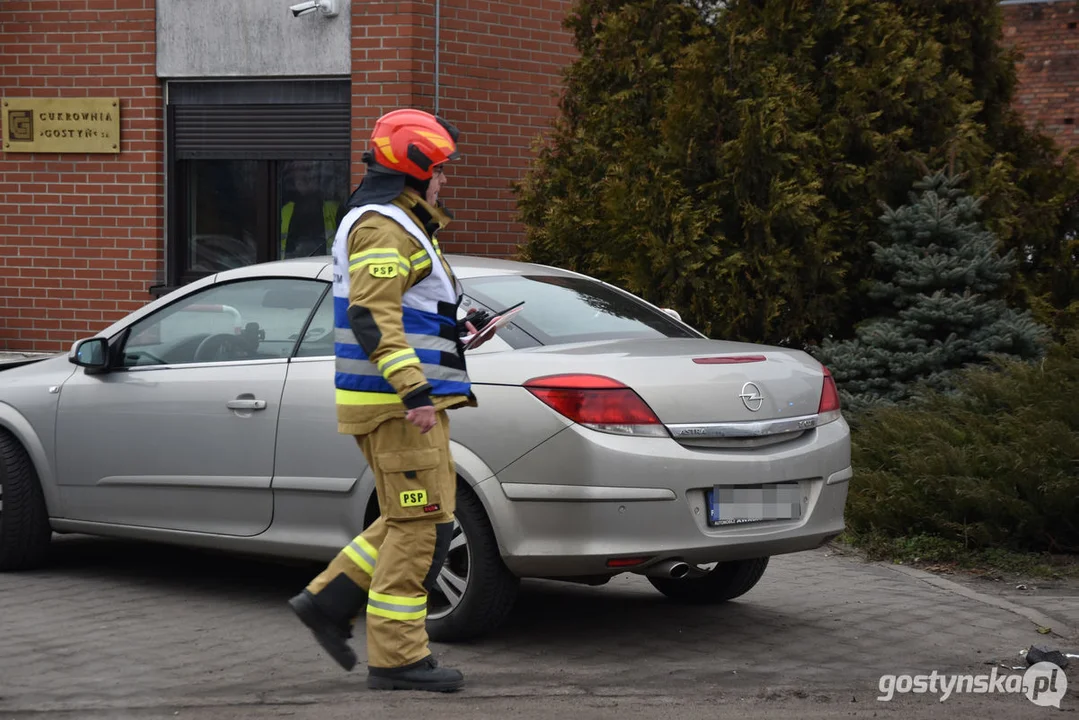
x=568 y=309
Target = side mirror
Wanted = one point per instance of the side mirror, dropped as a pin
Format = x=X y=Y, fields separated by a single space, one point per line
x=672 y=313
x=90 y=353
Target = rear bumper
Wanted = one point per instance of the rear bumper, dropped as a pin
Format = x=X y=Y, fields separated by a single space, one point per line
x=583 y=498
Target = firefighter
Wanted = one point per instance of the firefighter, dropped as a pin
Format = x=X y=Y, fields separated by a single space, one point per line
x=400 y=367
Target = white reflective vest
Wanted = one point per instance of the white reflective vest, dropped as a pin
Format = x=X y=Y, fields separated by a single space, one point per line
x=429 y=316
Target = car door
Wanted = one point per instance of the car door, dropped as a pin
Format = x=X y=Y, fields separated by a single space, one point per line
x=321 y=484
x=180 y=434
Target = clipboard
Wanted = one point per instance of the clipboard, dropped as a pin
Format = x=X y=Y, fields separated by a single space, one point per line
x=500 y=320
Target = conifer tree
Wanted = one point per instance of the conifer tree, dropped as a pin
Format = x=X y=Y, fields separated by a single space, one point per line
x=1029 y=186
x=941 y=281
x=726 y=158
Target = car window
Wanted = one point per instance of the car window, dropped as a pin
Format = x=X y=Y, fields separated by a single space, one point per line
x=318 y=338
x=246 y=320
x=570 y=309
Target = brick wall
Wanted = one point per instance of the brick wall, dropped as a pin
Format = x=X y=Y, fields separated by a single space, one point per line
x=500 y=71
x=1048 y=35
x=501 y=76
x=392 y=51
x=80 y=234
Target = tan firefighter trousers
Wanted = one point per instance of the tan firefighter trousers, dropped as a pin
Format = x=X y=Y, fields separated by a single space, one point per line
x=396 y=560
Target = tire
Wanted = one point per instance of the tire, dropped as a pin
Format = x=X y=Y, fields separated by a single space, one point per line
x=25 y=533
x=490 y=590
x=726 y=581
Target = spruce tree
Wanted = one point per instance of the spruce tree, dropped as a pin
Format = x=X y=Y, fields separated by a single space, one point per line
x=941 y=281
x=1031 y=189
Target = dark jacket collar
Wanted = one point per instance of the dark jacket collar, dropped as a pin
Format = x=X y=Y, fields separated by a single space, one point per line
x=430 y=217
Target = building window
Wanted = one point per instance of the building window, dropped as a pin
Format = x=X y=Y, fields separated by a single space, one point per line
x=258 y=171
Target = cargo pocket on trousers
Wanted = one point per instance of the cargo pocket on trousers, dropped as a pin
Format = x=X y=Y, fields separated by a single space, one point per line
x=410 y=483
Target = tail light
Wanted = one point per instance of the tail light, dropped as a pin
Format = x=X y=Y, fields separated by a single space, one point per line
x=599 y=403
x=829 y=409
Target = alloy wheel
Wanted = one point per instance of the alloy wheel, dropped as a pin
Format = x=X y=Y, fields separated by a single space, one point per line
x=453 y=578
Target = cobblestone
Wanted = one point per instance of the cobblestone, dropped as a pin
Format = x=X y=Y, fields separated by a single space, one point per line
x=112 y=625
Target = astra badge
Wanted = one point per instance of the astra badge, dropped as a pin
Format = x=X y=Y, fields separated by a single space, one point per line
x=751 y=397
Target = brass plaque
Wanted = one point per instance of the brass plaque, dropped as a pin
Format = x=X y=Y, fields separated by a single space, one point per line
x=61 y=125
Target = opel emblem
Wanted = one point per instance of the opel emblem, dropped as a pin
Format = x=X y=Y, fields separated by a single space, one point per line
x=751 y=397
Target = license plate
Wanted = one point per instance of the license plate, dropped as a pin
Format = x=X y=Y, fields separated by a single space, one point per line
x=742 y=504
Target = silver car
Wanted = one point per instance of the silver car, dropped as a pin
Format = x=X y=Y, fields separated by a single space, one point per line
x=610 y=437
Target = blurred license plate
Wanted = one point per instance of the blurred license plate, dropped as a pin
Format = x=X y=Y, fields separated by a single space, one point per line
x=740 y=504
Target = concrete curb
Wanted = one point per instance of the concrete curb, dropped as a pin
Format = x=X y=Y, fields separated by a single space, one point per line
x=1057 y=627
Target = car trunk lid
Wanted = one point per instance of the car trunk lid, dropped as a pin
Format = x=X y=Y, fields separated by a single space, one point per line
x=708 y=393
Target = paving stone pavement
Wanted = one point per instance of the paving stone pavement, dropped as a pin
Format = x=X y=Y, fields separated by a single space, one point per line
x=114 y=626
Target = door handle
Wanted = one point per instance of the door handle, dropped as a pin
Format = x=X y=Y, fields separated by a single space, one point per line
x=246 y=404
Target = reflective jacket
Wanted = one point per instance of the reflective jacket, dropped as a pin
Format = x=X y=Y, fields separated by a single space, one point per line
x=395 y=316
x=329 y=221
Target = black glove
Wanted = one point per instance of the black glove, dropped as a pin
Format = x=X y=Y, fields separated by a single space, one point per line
x=478 y=318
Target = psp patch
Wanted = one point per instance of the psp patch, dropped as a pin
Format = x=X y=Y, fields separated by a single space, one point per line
x=384 y=270
x=413 y=498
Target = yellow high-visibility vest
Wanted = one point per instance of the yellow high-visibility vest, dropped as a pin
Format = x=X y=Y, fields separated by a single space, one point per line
x=329 y=221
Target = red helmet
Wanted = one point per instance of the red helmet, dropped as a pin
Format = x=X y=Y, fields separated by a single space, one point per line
x=413 y=143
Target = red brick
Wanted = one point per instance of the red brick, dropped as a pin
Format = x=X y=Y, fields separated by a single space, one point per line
x=1049 y=71
x=60 y=210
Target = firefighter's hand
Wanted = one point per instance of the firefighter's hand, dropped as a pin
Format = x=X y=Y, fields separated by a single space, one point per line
x=472 y=331
x=422 y=417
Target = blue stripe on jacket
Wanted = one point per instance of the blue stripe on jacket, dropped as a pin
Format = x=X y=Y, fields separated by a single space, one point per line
x=414 y=321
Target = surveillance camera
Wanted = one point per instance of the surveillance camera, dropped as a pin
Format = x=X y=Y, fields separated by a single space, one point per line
x=326 y=7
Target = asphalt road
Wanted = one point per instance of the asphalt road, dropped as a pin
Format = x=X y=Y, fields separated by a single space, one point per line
x=124 y=630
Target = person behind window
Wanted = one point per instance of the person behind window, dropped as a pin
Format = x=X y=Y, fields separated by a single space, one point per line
x=308 y=219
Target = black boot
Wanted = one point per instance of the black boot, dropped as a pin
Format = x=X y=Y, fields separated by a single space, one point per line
x=329 y=617
x=422 y=675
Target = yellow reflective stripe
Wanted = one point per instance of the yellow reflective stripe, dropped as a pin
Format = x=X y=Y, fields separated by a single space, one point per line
x=420 y=260
x=360 y=397
x=390 y=252
x=396 y=607
x=398 y=599
x=353 y=267
x=378 y=256
x=386 y=148
x=362 y=553
x=396 y=360
x=374 y=609
x=359 y=560
x=439 y=140
x=367 y=547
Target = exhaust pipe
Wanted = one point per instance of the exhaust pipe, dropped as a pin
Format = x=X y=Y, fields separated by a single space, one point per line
x=668 y=569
